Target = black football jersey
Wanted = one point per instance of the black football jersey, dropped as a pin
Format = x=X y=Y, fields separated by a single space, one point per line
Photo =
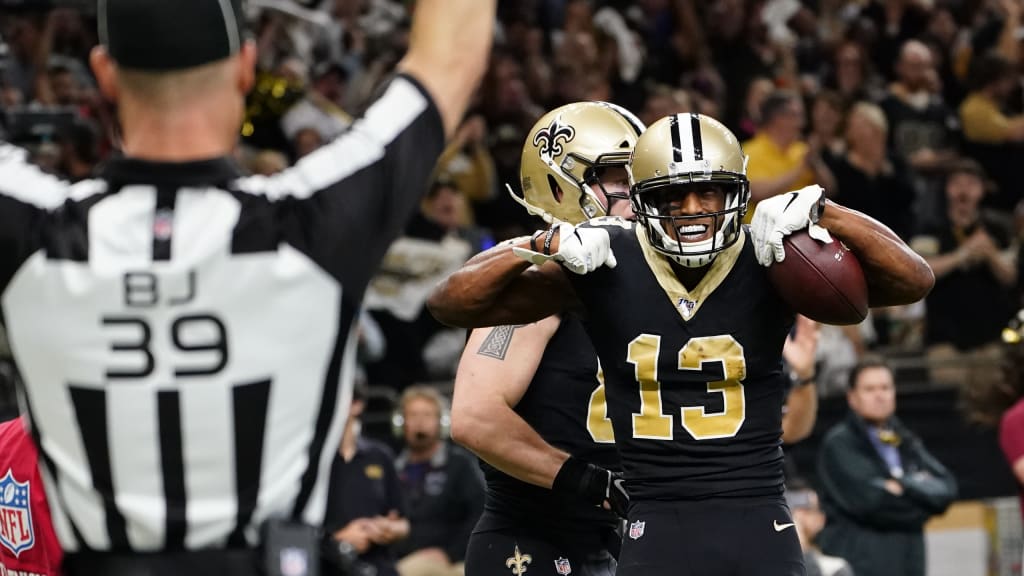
x=694 y=378
x=565 y=404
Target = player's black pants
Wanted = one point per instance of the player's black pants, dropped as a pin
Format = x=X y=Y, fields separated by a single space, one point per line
x=718 y=537
x=494 y=552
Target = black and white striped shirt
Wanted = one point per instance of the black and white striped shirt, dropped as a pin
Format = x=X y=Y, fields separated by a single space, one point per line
x=186 y=334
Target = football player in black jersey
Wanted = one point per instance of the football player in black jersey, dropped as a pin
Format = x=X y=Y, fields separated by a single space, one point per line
x=689 y=331
x=528 y=399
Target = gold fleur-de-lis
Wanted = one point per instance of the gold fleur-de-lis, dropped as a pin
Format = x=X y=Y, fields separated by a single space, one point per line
x=518 y=562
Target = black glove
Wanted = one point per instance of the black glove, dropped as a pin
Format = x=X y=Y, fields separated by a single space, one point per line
x=593 y=484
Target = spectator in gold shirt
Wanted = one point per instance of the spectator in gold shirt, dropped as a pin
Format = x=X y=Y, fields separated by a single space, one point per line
x=780 y=159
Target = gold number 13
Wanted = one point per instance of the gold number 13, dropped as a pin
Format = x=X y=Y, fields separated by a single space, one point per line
x=652 y=422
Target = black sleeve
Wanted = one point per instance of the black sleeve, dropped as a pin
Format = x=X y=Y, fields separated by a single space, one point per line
x=344 y=204
x=391 y=485
x=24 y=193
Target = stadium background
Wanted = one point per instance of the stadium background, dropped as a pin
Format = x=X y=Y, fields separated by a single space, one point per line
x=321 y=61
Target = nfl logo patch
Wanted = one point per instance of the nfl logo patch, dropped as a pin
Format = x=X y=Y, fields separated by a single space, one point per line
x=294 y=562
x=163 y=224
x=636 y=529
x=686 y=306
x=16 y=532
x=562 y=566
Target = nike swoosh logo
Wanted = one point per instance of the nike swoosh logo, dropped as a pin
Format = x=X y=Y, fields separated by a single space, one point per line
x=781 y=527
x=792 y=197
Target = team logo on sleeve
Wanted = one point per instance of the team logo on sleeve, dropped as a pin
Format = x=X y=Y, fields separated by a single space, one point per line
x=562 y=566
x=16 y=532
x=636 y=529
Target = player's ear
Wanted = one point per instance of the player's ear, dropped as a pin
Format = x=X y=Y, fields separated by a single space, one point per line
x=105 y=70
x=246 y=67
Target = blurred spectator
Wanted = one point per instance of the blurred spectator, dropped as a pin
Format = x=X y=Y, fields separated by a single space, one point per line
x=993 y=137
x=879 y=483
x=306 y=141
x=801 y=409
x=809 y=521
x=828 y=118
x=923 y=132
x=321 y=107
x=780 y=160
x=364 y=502
x=468 y=162
x=434 y=245
x=750 y=117
x=79 y=150
x=443 y=484
x=851 y=74
x=868 y=178
x=665 y=101
x=971 y=255
x=268 y=163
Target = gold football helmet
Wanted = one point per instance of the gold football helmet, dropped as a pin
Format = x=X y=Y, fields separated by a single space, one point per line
x=564 y=155
x=685 y=149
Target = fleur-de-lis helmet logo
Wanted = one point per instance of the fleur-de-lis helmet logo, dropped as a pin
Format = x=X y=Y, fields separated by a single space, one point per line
x=550 y=139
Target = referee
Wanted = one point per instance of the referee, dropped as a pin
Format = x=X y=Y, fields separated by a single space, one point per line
x=185 y=333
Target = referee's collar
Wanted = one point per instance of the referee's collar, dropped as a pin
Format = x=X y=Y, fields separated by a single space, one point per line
x=211 y=172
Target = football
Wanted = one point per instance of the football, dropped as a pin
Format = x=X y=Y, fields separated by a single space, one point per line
x=821 y=281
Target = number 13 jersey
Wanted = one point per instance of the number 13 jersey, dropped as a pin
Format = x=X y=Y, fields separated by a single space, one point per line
x=693 y=378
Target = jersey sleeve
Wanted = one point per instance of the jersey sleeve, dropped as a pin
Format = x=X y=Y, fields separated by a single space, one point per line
x=345 y=203
x=26 y=193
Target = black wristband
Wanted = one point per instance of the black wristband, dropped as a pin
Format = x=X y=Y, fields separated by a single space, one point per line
x=533 y=240
x=547 y=241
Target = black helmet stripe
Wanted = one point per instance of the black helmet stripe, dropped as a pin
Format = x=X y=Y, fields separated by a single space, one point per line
x=698 y=145
x=677 y=139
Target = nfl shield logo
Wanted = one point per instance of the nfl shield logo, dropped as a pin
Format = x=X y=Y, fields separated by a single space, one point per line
x=562 y=566
x=686 y=307
x=16 y=532
x=636 y=529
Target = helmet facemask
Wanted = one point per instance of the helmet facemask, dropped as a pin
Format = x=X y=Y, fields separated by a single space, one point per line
x=651 y=199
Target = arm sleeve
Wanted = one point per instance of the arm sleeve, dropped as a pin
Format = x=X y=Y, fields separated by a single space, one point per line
x=394 y=489
x=344 y=204
x=935 y=488
x=26 y=193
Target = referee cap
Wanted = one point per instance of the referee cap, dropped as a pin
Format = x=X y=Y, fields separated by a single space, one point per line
x=164 y=35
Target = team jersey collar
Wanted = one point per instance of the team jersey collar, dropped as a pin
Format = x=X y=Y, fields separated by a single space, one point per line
x=687 y=302
x=211 y=172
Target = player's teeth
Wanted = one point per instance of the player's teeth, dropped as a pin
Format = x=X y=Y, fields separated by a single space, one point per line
x=693 y=229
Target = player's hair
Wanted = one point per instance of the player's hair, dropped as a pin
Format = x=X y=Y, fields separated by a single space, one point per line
x=865 y=363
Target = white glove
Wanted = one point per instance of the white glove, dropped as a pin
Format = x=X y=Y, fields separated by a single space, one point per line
x=780 y=216
x=580 y=250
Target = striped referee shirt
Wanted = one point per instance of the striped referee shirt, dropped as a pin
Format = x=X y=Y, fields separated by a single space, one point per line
x=185 y=333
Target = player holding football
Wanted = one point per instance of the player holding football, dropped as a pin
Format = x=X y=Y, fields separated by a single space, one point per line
x=526 y=397
x=689 y=332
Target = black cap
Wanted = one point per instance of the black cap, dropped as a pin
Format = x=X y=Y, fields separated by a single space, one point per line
x=170 y=34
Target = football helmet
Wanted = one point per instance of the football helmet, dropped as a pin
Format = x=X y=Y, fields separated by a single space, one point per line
x=685 y=149
x=564 y=155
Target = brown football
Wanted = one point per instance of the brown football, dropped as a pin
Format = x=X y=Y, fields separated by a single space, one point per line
x=821 y=281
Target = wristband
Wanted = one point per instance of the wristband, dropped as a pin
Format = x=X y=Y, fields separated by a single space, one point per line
x=533 y=240
x=547 y=241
